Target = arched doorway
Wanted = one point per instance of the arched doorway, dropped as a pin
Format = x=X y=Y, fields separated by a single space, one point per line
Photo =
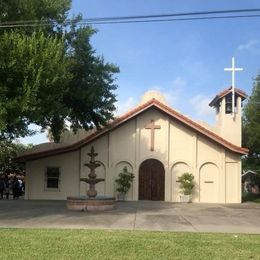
x=151 y=180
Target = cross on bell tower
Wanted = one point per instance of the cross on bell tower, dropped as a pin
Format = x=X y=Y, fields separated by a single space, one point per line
x=233 y=69
x=228 y=106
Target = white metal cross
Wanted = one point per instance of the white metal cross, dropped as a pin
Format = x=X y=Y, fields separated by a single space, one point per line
x=233 y=69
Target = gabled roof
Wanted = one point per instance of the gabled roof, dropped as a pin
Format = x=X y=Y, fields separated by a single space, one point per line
x=225 y=92
x=131 y=114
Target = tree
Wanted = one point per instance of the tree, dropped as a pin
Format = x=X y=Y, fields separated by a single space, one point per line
x=84 y=96
x=51 y=75
x=26 y=55
x=90 y=97
x=251 y=128
x=33 y=73
x=38 y=11
x=8 y=151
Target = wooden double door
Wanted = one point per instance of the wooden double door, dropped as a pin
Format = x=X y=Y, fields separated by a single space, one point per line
x=151 y=180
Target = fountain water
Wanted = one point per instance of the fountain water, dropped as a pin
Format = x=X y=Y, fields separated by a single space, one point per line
x=91 y=202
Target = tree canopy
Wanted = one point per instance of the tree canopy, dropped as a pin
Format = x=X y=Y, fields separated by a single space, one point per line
x=38 y=11
x=33 y=71
x=9 y=150
x=51 y=76
x=251 y=128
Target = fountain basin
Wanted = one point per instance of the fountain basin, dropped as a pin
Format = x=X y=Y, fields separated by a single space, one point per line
x=85 y=203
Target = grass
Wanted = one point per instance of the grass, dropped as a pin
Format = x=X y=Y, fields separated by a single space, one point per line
x=91 y=244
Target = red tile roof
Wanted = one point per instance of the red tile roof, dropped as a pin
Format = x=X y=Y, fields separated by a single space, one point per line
x=134 y=112
x=225 y=92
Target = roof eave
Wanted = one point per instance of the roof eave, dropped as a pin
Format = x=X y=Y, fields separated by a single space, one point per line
x=188 y=122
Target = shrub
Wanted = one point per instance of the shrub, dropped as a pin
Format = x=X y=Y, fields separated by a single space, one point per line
x=248 y=196
x=186 y=183
x=124 y=181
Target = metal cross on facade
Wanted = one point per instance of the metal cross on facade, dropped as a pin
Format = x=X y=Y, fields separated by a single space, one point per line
x=233 y=69
x=152 y=126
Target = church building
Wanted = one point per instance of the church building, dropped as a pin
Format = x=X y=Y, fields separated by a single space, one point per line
x=157 y=144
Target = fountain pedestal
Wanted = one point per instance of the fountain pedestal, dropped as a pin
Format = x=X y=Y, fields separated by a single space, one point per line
x=91 y=202
x=84 y=203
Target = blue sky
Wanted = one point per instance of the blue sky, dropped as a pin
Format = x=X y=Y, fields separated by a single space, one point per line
x=185 y=60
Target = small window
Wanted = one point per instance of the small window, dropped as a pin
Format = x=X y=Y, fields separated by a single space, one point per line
x=52 y=177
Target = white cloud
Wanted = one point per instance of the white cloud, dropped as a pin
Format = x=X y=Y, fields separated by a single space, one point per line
x=173 y=94
x=252 y=44
x=124 y=105
x=179 y=82
x=201 y=108
x=176 y=96
x=37 y=138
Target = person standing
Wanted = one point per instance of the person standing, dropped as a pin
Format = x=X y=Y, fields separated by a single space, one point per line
x=20 y=186
x=7 y=187
x=16 y=188
x=2 y=187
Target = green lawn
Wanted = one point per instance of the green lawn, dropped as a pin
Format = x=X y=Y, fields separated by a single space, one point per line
x=90 y=244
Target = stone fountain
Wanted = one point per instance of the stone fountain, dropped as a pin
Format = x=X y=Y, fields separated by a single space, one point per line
x=91 y=202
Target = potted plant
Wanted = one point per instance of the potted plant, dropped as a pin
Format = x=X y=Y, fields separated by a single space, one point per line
x=124 y=182
x=186 y=181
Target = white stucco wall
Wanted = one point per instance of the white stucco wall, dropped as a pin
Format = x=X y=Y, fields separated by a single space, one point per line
x=233 y=178
x=69 y=177
x=179 y=148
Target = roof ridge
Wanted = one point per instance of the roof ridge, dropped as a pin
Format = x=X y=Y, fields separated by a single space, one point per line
x=200 y=126
x=130 y=114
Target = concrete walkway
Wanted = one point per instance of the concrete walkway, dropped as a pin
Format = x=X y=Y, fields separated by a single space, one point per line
x=138 y=215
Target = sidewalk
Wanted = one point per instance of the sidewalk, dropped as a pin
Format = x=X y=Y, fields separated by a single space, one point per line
x=137 y=215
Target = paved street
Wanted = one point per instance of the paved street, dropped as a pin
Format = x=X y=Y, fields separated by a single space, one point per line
x=138 y=215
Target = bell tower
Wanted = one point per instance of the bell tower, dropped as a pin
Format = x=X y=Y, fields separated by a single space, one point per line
x=228 y=105
x=229 y=116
